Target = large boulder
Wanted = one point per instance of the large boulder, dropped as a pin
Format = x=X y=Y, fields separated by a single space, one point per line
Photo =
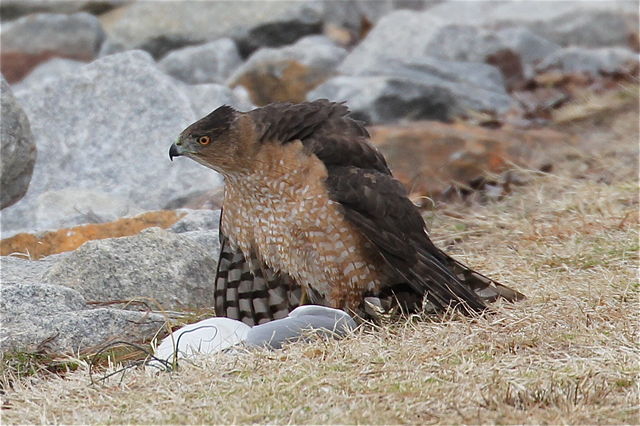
x=288 y=73
x=14 y=270
x=351 y=20
x=70 y=206
x=109 y=136
x=33 y=39
x=17 y=149
x=384 y=99
x=12 y=9
x=409 y=35
x=583 y=23
x=387 y=89
x=400 y=35
x=169 y=270
x=211 y=62
x=467 y=43
x=476 y=32
x=48 y=71
x=45 y=304
x=197 y=220
x=430 y=51
x=160 y=27
x=207 y=97
x=531 y=47
x=42 y=317
x=593 y=62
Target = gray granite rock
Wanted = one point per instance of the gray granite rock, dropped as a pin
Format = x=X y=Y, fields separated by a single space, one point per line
x=353 y=14
x=462 y=43
x=210 y=240
x=163 y=267
x=48 y=71
x=593 y=24
x=68 y=207
x=78 y=35
x=201 y=226
x=211 y=62
x=12 y=9
x=442 y=89
x=590 y=61
x=399 y=35
x=347 y=22
x=418 y=47
x=288 y=73
x=33 y=39
x=467 y=43
x=14 y=270
x=384 y=99
x=25 y=300
x=316 y=52
x=279 y=28
x=207 y=97
x=197 y=220
x=409 y=35
x=583 y=23
x=108 y=134
x=42 y=317
x=160 y=27
x=17 y=149
x=531 y=47
x=44 y=303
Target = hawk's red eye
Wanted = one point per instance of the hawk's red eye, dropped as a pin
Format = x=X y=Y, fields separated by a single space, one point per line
x=204 y=140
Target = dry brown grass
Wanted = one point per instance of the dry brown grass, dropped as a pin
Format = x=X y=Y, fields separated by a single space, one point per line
x=568 y=354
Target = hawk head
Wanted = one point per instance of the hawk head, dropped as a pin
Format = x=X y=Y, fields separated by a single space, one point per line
x=219 y=141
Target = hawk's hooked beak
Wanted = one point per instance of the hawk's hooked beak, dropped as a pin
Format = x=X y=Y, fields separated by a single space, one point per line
x=174 y=151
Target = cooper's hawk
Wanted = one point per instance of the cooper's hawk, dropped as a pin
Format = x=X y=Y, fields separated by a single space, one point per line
x=311 y=211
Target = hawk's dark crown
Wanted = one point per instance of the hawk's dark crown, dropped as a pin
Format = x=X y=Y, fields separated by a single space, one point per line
x=216 y=122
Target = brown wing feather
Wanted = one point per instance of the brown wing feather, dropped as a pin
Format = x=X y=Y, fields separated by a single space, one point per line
x=323 y=128
x=377 y=204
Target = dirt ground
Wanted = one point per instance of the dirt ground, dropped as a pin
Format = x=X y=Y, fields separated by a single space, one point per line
x=569 y=354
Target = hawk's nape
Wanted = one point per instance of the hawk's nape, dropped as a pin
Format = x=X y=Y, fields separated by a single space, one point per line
x=312 y=214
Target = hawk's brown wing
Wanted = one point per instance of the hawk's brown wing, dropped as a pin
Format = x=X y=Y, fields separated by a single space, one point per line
x=324 y=129
x=378 y=205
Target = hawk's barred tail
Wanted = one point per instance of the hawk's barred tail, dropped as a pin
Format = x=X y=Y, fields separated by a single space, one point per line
x=251 y=294
x=484 y=287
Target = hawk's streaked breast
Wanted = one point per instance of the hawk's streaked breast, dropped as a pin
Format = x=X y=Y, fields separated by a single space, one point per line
x=281 y=212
